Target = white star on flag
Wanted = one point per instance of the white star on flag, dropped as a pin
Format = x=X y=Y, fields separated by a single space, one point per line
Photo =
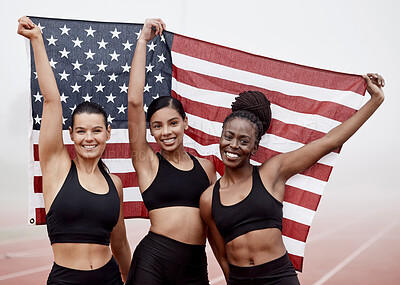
x=52 y=41
x=65 y=30
x=90 y=31
x=102 y=44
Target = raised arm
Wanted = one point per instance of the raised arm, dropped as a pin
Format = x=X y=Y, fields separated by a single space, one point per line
x=291 y=163
x=51 y=146
x=142 y=154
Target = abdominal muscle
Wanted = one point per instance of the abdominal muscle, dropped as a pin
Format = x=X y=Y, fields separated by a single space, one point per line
x=81 y=256
x=256 y=247
x=183 y=224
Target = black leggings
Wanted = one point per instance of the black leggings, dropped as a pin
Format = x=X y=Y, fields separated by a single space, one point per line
x=160 y=260
x=276 y=272
x=109 y=274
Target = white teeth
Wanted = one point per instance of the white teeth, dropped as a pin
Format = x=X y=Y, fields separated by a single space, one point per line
x=89 y=146
x=169 y=141
x=231 y=155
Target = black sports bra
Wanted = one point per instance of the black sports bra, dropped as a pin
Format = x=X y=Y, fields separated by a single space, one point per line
x=259 y=210
x=80 y=216
x=175 y=187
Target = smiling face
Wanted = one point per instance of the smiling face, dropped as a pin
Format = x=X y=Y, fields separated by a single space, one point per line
x=167 y=127
x=237 y=142
x=89 y=135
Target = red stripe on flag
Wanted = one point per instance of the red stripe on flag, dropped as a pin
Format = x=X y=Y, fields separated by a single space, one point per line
x=301 y=198
x=295 y=230
x=135 y=209
x=298 y=104
x=37 y=184
x=297 y=261
x=267 y=66
x=40 y=216
x=205 y=111
x=128 y=179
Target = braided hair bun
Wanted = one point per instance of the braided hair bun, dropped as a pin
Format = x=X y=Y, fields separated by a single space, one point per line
x=255 y=107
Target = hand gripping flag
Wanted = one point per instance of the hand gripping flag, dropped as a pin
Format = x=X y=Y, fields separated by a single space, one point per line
x=91 y=62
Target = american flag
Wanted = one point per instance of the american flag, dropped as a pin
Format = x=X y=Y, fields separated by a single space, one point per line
x=91 y=62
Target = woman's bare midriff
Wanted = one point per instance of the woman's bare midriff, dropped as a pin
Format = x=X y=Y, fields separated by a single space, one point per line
x=180 y=223
x=81 y=256
x=256 y=247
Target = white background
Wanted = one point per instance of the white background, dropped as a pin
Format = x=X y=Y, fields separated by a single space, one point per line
x=343 y=35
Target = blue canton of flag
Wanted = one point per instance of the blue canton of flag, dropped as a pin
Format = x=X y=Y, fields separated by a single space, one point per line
x=91 y=62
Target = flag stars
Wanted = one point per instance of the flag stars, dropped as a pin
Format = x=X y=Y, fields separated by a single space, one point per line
x=115 y=33
x=53 y=63
x=64 y=76
x=73 y=109
x=89 y=54
x=75 y=88
x=88 y=76
x=110 y=119
x=102 y=66
x=126 y=68
x=147 y=88
x=102 y=44
x=114 y=56
x=40 y=27
x=162 y=38
x=149 y=68
x=77 y=65
x=90 y=31
x=37 y=119
x=138 y=34
x=122 y=109
x=123 y=88
x=64 y=120
x=155 y=97
x=87 y=97
x=127 y=45
x=64 y=53
x=151 y=46
x=65 y=30
x=35 y=74
x=38 y=97
x=52 y=41
x=110 y=98
x=145 y=108
x=100 y=87
x=77 y=42
x=113 y=77
x=161 y=58
x=63 y=98
x=159 y=78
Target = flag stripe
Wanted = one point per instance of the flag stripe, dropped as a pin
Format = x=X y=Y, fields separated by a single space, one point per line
x=267 y=66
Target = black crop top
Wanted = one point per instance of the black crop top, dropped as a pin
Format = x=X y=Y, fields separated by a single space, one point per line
x=259 y=210
x=80 y=216
x=175 y=187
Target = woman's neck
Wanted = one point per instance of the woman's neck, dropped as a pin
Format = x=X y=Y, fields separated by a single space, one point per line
x=175 y=156
x=87 y=165
x=234 y=175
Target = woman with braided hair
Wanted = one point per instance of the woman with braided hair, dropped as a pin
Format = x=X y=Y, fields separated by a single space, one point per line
x=243 y=209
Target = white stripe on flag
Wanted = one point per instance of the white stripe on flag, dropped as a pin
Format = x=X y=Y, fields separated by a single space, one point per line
x=294 y=246
x=297 y=213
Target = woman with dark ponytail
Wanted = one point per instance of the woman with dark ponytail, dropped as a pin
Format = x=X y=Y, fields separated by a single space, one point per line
x=171 y=182
x=243 y=209
x=82 y=200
